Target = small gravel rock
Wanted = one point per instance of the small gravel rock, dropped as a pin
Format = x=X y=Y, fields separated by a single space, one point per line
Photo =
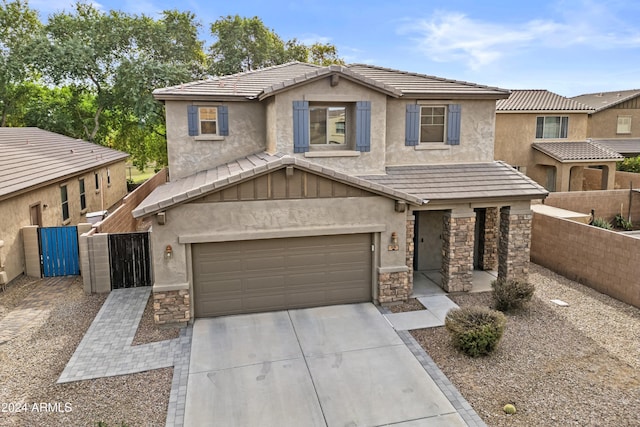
x=559 y=366
x=31 y=363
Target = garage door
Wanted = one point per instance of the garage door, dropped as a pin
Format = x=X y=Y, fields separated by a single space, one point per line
x=277 y=274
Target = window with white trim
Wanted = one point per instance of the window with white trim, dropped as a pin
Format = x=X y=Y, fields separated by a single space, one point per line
x=432 y=124
x=208 y=117
x=327 y=125
x=554 y=127
x=624 y=124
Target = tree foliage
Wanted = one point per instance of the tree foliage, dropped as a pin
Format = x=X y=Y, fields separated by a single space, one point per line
x=90 y=74
x=245 y=44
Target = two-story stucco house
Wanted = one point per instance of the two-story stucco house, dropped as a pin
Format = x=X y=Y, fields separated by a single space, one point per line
x=615 y=120
x=545 y=136
x=299 y=185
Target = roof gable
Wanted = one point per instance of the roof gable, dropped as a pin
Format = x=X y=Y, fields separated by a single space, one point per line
x=260 y=84
x=603 y=100
x=230 y=174
x=540 y=100
x=33 y=157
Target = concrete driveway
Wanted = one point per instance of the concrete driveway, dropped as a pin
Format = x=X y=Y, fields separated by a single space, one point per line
x=327 y=366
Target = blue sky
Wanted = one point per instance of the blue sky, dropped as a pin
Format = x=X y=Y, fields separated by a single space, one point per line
x=570 y=47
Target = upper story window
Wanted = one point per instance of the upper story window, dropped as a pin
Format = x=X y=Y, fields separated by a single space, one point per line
x=96 y=178
x=624 y=124
x=108 y=178
x=552 y=127
x=432 y=124
x=208 y=121
x=326 y=127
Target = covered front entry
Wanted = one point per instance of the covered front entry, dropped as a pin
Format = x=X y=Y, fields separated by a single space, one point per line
x=277 y=274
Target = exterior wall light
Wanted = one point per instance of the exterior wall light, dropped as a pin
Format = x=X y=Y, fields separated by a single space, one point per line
x=394 y=242
x=168 y=252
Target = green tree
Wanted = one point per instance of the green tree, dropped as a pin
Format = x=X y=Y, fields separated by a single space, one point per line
x=245 y=44
x=117 y=59
x=18 y=26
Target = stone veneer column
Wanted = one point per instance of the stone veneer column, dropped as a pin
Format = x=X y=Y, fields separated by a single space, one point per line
x=393 y=285
x=171 y=307
x=515 y=244
x=489 y=258
x=411 y=221
x=457 y=251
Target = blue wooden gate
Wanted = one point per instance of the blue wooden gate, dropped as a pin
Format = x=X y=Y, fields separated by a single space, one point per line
x=59 y=251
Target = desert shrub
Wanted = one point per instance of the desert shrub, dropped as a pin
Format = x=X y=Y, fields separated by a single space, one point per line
x=630 y=164
x=511 y=294
x=601 y=223
x=475 y=330
x=623 y=223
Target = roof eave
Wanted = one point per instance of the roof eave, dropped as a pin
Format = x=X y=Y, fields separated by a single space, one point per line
x=545 y=111
x=201 y=97
x=453 y=95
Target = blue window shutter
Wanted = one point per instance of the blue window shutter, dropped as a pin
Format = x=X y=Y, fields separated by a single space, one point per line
x=363 y=126
x=223 y=120
x=192 y=115
x=453 y=124
x=412 y=129
x=564 y=127
x=300 y=126
x=540 y=127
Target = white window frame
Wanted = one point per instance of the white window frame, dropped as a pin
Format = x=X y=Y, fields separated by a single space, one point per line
x=444 y=124
x=201 y=120
x=624 y=125
x=544 y=123
x=82 y=186
x=64 y=202
x=327 y=142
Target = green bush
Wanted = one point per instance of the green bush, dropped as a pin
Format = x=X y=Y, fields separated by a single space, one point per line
x=630 y=164
x=511 y=294
x=601 y=223
x=623 y=223
x=475 y=330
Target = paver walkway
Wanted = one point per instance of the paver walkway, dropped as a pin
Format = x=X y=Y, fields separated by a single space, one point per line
x=106 y=350
x=36 y=306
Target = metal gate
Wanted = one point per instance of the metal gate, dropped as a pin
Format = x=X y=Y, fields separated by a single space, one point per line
x=129 y=260
x=59 y=251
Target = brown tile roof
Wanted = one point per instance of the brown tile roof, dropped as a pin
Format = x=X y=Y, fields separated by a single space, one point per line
x=604 y=100
x=201 y=183
x=451 y=182
x=262 y=83
x=620 y=145
x=33 y=157
x=576 y=151
x=539 y=101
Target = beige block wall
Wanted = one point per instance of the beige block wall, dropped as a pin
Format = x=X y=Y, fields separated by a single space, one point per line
x=603 y=260
x=15 y=214
x=593 y=177
x=604 y=124
x=121 y=220
x=606 y=203
x=477 y=122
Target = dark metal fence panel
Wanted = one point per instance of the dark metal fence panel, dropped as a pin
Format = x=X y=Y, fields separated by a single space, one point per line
x=130 y=260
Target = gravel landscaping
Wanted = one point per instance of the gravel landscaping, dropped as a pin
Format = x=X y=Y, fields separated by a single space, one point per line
x=31 y=364
x=576 y=365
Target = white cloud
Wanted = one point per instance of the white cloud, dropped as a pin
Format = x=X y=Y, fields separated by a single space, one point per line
x=456 y=37
x=310 y=39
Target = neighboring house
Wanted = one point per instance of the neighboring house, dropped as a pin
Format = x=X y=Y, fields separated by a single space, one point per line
x=47 y=179
x=545 y=136
x=299 y=185
x=615 y=121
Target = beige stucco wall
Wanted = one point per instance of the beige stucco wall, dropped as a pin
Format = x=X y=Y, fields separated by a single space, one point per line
x=515 y=132
x=189 y=154
x=15 y=212
x=476 y=135
x=281 y=117
x=604 y=124
x=227 y=221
